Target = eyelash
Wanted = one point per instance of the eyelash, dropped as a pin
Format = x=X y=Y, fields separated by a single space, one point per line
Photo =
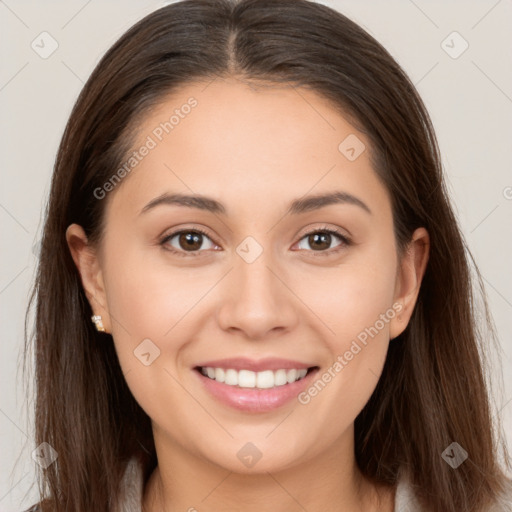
x=345 y=241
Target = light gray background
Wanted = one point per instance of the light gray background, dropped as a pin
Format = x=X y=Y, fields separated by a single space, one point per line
x=469 y=99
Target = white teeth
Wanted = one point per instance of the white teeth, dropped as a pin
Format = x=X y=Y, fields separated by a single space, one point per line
x=231 y=377
x=291 y=375
x=265 y=380
x=280 y=377
x=249 y=379
x=220 y=374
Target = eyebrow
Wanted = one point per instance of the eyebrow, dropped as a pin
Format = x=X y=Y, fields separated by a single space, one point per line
x=298 y=206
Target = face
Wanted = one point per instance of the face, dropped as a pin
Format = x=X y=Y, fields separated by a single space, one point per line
x=258 y=277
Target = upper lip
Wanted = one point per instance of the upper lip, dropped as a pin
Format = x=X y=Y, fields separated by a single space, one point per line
x=243 y=363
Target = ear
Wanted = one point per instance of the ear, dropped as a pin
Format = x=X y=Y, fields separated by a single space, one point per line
x=88 y=265
x=411 y=270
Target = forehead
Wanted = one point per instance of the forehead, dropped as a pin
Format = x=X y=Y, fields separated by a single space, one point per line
x=246 y=143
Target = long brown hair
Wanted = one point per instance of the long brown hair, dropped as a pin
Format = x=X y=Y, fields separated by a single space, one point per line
x=433 y=390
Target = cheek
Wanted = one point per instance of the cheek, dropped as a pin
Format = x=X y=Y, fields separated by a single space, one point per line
x=358 y=312
x=147 y=296
x=356 y=304
x=350 y=298
x=368 y=294
x=150 y=299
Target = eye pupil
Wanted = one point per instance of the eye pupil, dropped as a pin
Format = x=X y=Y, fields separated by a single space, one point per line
x=190 y=240
x=323 y=238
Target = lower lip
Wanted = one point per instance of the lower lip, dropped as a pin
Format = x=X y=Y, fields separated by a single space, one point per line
x=252 y=399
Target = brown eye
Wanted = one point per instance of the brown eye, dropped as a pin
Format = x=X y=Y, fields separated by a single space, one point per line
x=190 y=241
x=187 y=241
x=320 y=241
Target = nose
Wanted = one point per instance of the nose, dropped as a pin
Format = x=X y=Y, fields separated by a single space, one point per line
x=257 y=300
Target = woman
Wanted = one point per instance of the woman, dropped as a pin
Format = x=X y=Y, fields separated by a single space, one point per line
x=248 y=203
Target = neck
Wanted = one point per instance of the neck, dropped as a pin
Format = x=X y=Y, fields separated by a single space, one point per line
x=184 y=482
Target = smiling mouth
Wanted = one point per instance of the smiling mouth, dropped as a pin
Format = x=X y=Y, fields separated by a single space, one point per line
x=266 y=379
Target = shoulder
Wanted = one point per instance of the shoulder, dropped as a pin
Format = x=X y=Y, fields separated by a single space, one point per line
x=404 y=497
x=130 y=498
x=132 y=487
x=405 y=500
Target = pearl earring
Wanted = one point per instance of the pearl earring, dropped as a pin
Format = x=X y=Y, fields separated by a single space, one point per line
x=97 y=321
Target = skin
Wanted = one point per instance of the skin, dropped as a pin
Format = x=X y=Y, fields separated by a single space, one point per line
x=254 y=149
